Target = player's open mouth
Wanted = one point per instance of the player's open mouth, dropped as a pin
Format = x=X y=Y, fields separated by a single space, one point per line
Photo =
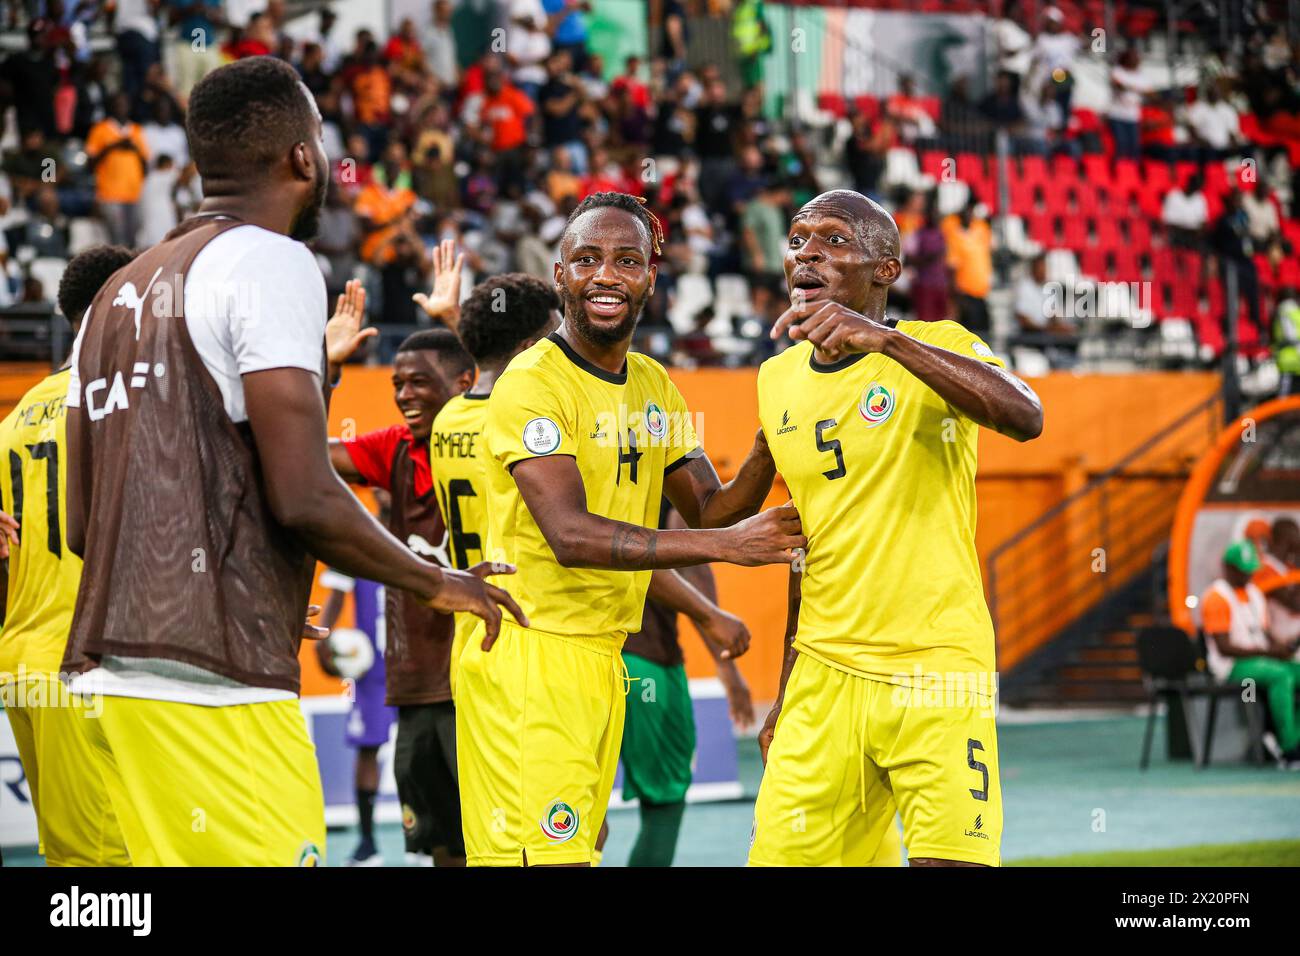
x=807 y=288
x=606 y=304
x=413 y=414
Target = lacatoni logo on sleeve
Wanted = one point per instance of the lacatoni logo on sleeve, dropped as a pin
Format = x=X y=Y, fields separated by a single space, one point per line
x=541 y=436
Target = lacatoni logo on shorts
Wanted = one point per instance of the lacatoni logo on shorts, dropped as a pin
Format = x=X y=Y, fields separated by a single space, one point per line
x=876 y=405
x=656 y=423
x=541 y=436
x=560 y=822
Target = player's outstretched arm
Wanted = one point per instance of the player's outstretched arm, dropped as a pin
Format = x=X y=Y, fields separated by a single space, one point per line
x=287 y=417
x=725 y=635
x=794 y=599
x=704 y=502
x=552 y=489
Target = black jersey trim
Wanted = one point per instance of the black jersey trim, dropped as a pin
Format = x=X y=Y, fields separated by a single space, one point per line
x=614 y=378
x=475 y=398
x=694 y=453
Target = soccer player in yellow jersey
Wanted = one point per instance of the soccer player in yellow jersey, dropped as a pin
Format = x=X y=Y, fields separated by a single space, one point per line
x=502 y=316
x=582 y=438
x=887 y=686
x=74 y=818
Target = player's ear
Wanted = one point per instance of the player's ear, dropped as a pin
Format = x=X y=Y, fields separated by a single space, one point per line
x=654 y=272
x=559 y=275
x=888 y=270
x=465 y=380
x=303 y=162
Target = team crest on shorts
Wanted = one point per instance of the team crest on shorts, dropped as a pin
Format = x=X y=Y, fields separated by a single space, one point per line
x=656 y=423
x=408 y=818
x=541 y=436
x=876 y=405
x=560 y=822
x=309 y=855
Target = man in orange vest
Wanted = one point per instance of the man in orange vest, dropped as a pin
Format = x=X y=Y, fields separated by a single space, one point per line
x=1240 y=648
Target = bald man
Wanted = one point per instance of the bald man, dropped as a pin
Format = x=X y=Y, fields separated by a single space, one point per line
x=888 y=685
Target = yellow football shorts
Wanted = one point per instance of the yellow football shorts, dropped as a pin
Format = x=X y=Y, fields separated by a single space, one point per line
x=74 y=817
x=539 y=722
x=849 y=750
x=212 y=786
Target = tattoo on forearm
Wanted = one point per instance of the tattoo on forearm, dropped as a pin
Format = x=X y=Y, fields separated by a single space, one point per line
x=633 y=548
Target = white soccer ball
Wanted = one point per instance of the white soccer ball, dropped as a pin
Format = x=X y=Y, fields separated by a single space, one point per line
x=353 y=652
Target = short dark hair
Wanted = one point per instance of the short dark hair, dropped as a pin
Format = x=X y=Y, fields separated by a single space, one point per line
x=503 y=311
x=244 y=117
x=451 y=353
x=628 y=203
x=85 y=275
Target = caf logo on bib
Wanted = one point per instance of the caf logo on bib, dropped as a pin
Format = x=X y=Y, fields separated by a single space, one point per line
x=656 y=423
x=541 y=436
x=876 y=405
x=560 y=822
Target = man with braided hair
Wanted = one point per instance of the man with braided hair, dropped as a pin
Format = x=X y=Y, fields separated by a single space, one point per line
x=582 y=439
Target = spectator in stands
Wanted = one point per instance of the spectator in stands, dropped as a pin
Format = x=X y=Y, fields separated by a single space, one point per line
x=1001 y=107
x=528 y=45
x=1278 y=577
x=1230 y=241
x=1053 y=61
x=504 y=112
x=926 y=254
x=675 y=37
x=1014 y=46
x=46 y=231
x=119 y=156
x=30 y=78
x=1239 y=647
x=569 y=29
x=1041 y=318
x=383 y=205
x=136 y=24
x=716 y=122
x=1158 y=129
x=1262 y=220
x=371 y=87
x=1214 y=125
x=753 y=40
x=1185 y=213
x=970 y=257
x=1286 y=341
x=439 y=42
x=311 y=67
x=763 y=228
x=195 y=50
x=34 y=163
x=560 y=99
x=908 y=112
x=1128 y=87
x=337 y=240
x=1043 y=129
x=963 y=124
x=164 y=135
x=158 y=200
x=865 y=151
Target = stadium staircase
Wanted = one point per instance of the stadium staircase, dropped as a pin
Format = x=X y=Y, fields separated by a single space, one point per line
x=1070 y=590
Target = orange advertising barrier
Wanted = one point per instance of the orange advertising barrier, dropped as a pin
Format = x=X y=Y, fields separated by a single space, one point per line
x=1091 y=422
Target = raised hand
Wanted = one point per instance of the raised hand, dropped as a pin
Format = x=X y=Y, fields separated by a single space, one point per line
x=833 y=328
x=343 y=332
x=443 y=301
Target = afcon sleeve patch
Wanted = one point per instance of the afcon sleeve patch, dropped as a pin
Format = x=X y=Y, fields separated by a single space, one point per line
x=980 y=349
x=541 y=436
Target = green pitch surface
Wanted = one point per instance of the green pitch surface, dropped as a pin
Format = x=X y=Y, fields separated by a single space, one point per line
x=1073 y=796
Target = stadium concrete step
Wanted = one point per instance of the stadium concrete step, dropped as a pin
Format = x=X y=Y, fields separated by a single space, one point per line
x=1107 y=654
x=1103 y=671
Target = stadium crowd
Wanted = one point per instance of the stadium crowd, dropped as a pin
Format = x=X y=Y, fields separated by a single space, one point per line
x=432 y=141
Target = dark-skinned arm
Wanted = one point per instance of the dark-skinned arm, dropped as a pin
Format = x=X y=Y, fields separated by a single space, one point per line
x=343 y=463
x=552 y=488
x=984 y=393
x=78 y=494
x=704 y=502
x=793 y=600
x=287 y=418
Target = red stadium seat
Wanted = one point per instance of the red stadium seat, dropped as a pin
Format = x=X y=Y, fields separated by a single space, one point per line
x=1092 y=262
x=1041 y=227
x=1096 y=168
x=1033 y=169
x=868 y=106
x=832 y=103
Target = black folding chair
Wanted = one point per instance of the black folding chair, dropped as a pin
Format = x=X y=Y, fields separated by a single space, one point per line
x=1169 y=659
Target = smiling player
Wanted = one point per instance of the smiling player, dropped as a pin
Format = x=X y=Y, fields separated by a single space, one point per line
x=873 y=424
x=582 y=438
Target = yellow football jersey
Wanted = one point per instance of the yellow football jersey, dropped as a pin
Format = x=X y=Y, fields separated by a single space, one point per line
x=457 y=457
x=43 y=573
x=625 y=431
x=882 y=470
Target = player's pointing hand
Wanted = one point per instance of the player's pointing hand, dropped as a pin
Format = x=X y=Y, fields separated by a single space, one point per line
x=769 y=537
x=832 y=327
